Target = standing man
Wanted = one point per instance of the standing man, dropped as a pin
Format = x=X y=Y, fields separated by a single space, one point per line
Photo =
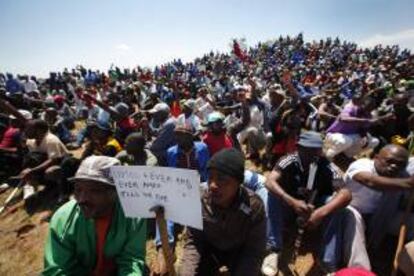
x=91 y=235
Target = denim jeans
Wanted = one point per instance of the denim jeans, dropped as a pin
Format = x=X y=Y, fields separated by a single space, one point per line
x=81 y=136
x=170 y=232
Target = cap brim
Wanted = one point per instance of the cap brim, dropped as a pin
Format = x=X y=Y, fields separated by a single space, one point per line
x=74 y=179
x=310 y=145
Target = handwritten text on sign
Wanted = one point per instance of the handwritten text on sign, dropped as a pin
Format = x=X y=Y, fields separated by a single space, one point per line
x=177 y=190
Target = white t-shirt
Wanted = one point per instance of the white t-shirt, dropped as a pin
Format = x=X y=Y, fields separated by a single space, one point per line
x=256 y=117
x=203 y=108
x=29 y=86
x=410 y=166
x=364 y=199
x=193 y=121
x=51 y=145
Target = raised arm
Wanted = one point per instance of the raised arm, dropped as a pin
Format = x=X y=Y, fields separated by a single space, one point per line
x=115 y=114
x=287 y=81
x=10 y=109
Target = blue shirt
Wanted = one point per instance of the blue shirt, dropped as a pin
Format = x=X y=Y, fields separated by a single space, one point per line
x=201 y=155
x=13 y=86
x=164 y=140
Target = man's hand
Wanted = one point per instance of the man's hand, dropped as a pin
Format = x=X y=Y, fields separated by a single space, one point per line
x=411 y=181
x=26 y=174
x=301 y=208
x=315 y=219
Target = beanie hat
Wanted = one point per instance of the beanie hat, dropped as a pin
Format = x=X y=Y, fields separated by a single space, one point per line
x=229 y=162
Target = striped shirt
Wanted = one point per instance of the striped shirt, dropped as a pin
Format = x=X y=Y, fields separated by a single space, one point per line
x=294 y=177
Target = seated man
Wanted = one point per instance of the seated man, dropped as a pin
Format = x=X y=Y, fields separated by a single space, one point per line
x=186 y=154
x=46 y=153
x=101 y=141
x=188 y=117
x=349 y=133
x=11 y=145
x=91 y=235
x=375 y=186
x=290 y=197
x=216 y=137
x=120 y=114
x=57 y=125
x=234 y=222
x=135 y=152
x=162 y=127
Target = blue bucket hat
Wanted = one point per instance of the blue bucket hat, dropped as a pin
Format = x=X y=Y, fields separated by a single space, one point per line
x=310 y=139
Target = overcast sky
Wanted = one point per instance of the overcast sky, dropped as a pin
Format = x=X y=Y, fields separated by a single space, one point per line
x=38 y=36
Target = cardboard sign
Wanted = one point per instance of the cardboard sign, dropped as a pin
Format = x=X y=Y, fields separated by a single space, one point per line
x=178 y=190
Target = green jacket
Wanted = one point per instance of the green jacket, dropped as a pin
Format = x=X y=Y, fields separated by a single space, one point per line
x=71 y=243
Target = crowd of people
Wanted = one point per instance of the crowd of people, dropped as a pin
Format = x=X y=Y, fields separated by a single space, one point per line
x=329 y=123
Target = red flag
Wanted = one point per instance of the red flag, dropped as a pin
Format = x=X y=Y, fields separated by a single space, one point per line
x=175 y=109
x=238 y=51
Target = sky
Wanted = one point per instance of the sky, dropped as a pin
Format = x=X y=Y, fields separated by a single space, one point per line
x=39 y=36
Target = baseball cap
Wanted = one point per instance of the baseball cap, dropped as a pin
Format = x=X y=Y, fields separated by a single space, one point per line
x=160 y=107
x=102 y=125
x=122 y=109
x=58 y=99
x=190 y=103
x=214 y=117
x=96 y=168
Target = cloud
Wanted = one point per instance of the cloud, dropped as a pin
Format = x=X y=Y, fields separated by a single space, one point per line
x=403 y=38
x=123 y=47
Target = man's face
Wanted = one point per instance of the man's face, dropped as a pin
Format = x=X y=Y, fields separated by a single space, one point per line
x=223 y=189
x=390 y=164
x=309 y=155
x=275 y=98
x=30 y=131
x=293 y=124
x=187 y=111
x=98 y=136
x=134 y=148
x=216 y=127
x=184 y=140
x=94 y=198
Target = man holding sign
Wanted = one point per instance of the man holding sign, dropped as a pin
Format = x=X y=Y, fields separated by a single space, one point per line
x=91 y=235
x=234 y=223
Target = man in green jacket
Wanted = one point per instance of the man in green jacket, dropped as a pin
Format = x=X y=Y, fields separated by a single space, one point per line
x=91 y=235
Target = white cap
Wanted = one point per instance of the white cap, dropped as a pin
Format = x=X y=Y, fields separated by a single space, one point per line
x=160 y=107
x=25 y=113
